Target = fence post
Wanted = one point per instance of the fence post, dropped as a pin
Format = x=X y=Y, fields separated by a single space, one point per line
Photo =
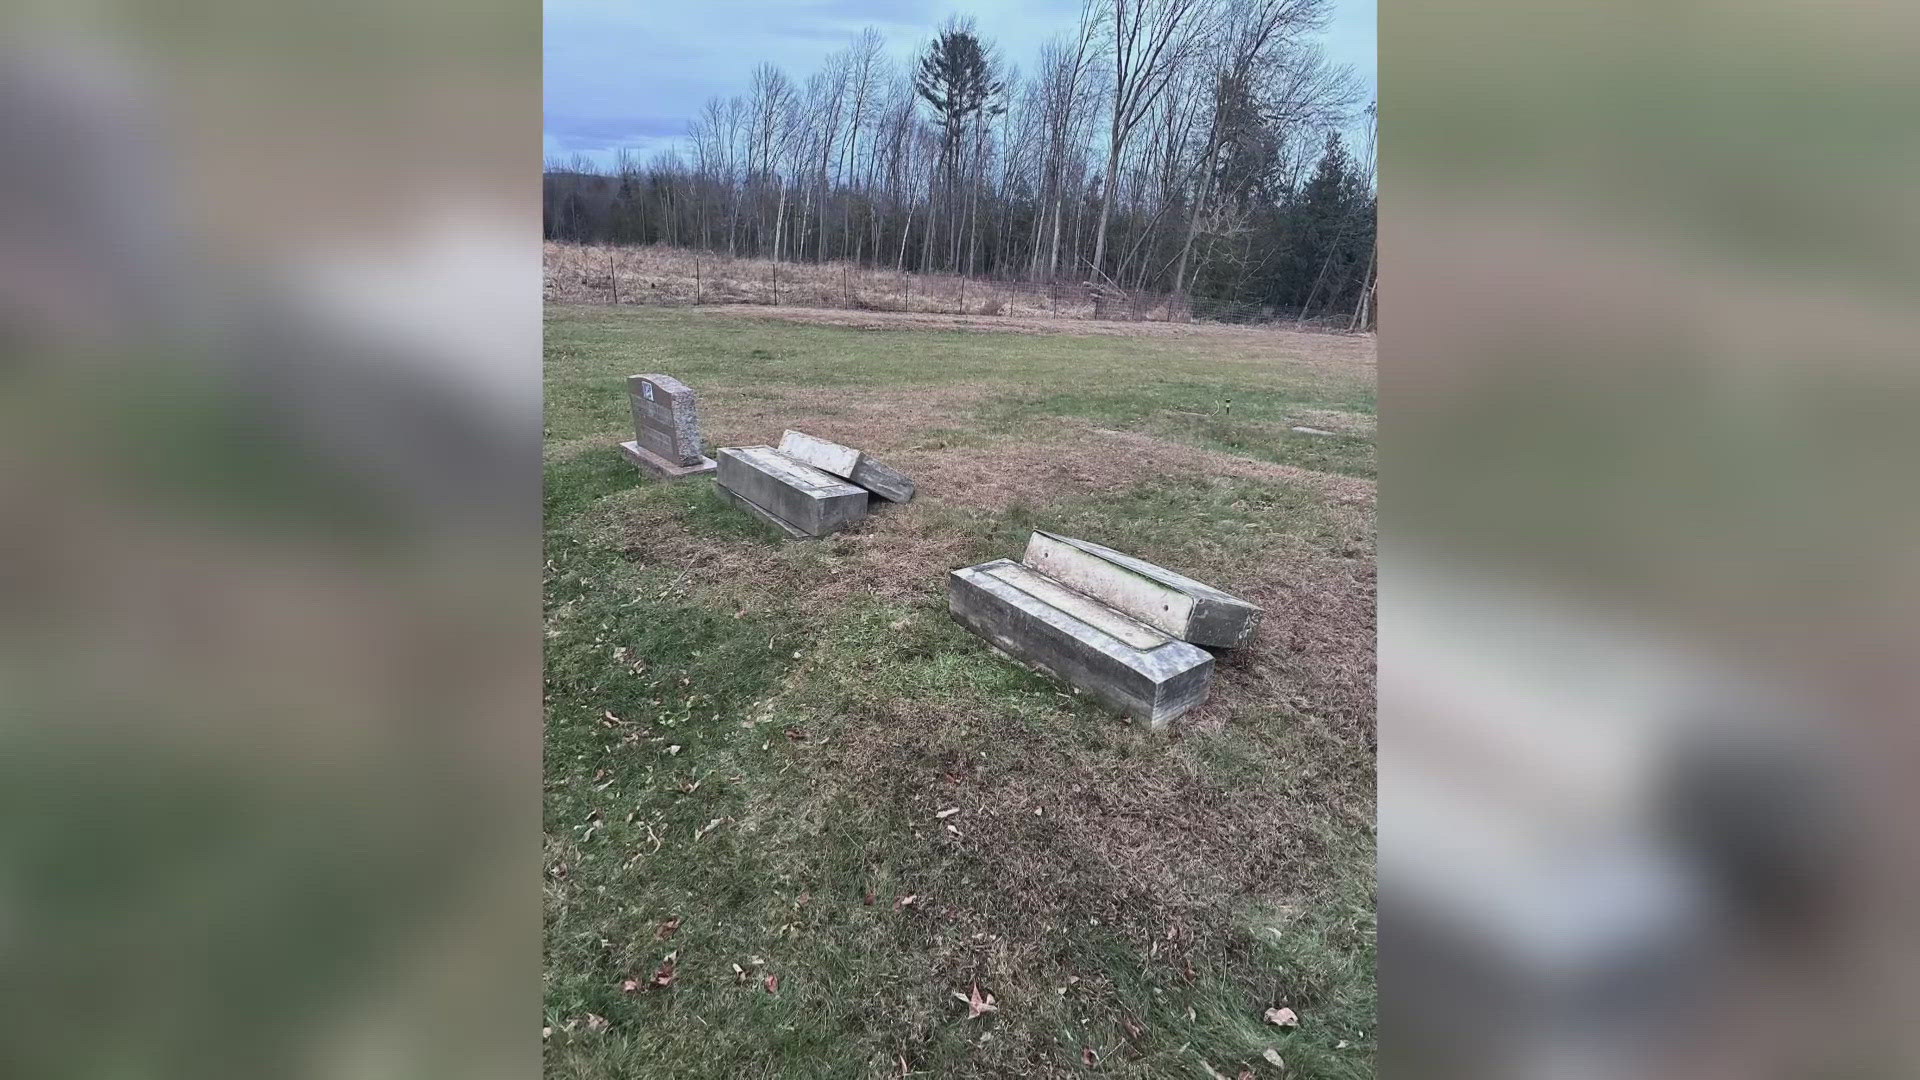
x=696 y=281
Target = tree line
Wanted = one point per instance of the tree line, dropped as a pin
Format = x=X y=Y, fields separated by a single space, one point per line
x=1165 y=145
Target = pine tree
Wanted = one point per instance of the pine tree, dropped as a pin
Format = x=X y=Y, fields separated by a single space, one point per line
x=957 y=80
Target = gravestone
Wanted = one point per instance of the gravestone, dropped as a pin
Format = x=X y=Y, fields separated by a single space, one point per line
x=1119 y=661
x=1189 y=610
x=848 y=464
x=666 y=427
x=796 y=497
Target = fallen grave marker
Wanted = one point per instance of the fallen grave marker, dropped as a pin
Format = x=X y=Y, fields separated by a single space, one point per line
x=848 y=463
x=798 y=498
x=1120 y=629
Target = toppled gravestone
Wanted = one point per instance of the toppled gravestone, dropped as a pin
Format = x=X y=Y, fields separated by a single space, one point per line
x=666 y=428
x=848 y=464
x=797 y=498
x=1187 y=609
x=1125 y=634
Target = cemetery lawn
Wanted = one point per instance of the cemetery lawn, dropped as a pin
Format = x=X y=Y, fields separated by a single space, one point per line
x=795 y=816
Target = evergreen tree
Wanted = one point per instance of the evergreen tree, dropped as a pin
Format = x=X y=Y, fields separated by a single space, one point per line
x=957 y=80
x=1329 y=235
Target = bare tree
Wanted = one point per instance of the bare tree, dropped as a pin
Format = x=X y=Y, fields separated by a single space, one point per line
x=1147 y=43
x=867 y=67
x=1162 y=144
x=1255 y=40
x=770 y=97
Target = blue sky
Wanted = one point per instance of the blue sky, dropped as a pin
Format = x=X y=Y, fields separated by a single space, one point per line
x=633 y=72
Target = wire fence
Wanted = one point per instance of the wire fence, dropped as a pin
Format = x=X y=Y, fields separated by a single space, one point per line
x=677 y=277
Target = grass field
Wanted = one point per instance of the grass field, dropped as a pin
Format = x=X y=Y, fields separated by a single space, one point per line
x=749 y=740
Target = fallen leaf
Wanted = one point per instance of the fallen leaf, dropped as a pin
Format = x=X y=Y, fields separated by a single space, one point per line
x=804 y=897
x=1273 y=1058
x=710 y=826
x=666 y=929
x=1282 y=1018
x=1342 y=1045
x=559 y=871
x=796 y=734
x=902 y=901
x=976 y=1002
x=1245 y=1074
x=630 y=986
x=1087 y=1055
x=903 y=1064
x=664 y=976
x=546 y=1032
x=596 y=1023
x=870 y=897
x=948 y=812
x=1134 y=1027
x=773 y=984
x=672 y=750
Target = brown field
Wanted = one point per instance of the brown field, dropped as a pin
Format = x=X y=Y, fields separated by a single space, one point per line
x=582 y=274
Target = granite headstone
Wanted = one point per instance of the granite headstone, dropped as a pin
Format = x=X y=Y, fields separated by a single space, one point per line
x=666 y=426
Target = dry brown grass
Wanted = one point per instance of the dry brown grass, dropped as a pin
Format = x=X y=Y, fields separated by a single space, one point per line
x=653 y=274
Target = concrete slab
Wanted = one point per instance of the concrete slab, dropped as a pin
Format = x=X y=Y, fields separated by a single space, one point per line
x=659 y=466
x=799 y=495
x=845 y=461
x=888 y=483
x=828 y=457
x=1187 y=609
x=1121 y=663
x=742 y=503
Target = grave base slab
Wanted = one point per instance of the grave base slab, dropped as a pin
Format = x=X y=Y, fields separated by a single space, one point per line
x=644 y=458
x=741 y=502
x=799 y=495
x=1120 y=662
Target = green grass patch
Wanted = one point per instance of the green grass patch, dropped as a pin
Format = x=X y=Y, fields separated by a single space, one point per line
x=730 y=756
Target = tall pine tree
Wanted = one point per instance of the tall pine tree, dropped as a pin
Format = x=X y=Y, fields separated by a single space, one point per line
x=957 y=80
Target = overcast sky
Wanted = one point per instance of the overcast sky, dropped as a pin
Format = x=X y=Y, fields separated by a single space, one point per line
x=632 y=73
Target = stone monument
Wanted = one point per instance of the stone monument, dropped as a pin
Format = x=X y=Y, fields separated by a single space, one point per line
x=848 y=464
x=666 y=427
x=797 y=498
x=1125 y=631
